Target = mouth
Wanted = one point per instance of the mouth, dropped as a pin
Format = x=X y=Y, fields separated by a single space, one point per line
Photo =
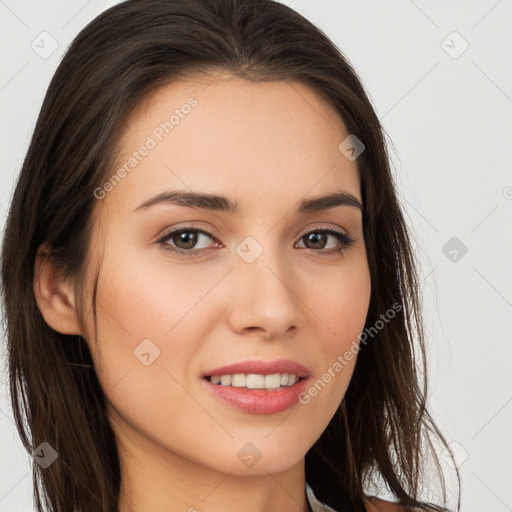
x=258 y=386
x=256 y=393
x=268 y=382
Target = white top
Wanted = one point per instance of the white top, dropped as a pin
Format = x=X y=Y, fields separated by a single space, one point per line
x=315 y=504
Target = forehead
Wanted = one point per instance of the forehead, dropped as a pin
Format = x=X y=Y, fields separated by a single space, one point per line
x=227 y=135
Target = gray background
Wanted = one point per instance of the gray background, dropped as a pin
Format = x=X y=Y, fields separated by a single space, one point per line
x=448 y=114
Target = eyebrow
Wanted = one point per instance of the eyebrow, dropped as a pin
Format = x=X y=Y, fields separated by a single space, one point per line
x=223 y=204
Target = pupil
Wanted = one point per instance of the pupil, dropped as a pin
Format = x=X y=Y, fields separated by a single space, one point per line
x=189 y=238
x=315 y=238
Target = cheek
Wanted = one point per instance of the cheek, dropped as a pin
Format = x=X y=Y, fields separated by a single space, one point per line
x=341 y=303
x=148 y=335
x=142 y=299
x=151 y=314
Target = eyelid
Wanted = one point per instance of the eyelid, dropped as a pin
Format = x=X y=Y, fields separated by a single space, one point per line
x=190 y=226
x=318 y=227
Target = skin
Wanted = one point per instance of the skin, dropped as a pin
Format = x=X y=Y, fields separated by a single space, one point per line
x=266 y=145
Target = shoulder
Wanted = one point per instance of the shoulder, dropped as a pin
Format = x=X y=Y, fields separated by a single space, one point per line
x=375 y=504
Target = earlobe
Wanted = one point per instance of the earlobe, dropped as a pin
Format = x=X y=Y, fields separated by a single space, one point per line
x=54 y=295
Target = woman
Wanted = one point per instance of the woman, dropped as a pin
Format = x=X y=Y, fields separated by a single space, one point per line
x=209 y=285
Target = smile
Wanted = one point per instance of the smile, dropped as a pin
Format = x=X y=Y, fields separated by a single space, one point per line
x=256 y=400
x=255 y=381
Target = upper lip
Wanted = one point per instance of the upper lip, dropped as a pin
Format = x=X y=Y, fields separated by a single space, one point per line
x=261 y=368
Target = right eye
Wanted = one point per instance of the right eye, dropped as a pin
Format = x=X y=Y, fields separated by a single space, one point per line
x=184 y=240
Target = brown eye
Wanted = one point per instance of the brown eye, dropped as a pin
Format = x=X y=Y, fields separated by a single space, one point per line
x=315 y=240
x=185 y=240
x=318 y=241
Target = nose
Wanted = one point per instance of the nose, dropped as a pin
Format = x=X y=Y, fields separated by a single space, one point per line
x=264 y=298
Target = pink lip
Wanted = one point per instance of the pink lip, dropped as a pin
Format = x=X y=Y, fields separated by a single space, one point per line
x=258 y=401
x=261 y=368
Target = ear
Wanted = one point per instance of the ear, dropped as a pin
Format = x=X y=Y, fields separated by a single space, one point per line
x=54 y=295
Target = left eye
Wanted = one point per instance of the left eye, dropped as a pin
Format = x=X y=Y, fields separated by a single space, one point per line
x=184 y=240
x=320 y=237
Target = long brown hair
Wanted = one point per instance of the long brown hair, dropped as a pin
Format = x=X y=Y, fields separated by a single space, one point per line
x=112 y=64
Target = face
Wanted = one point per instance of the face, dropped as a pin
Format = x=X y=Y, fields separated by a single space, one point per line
x=270 y=282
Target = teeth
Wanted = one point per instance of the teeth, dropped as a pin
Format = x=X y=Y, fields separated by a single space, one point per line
x=255 y=381
x=225 y=380
x=237 y=380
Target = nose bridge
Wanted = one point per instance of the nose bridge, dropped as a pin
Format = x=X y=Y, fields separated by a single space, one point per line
x=264 y=295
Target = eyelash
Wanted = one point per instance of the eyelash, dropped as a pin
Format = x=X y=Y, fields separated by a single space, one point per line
x=345 y=241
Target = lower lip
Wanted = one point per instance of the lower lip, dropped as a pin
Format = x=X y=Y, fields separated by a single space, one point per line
x=258 y=401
